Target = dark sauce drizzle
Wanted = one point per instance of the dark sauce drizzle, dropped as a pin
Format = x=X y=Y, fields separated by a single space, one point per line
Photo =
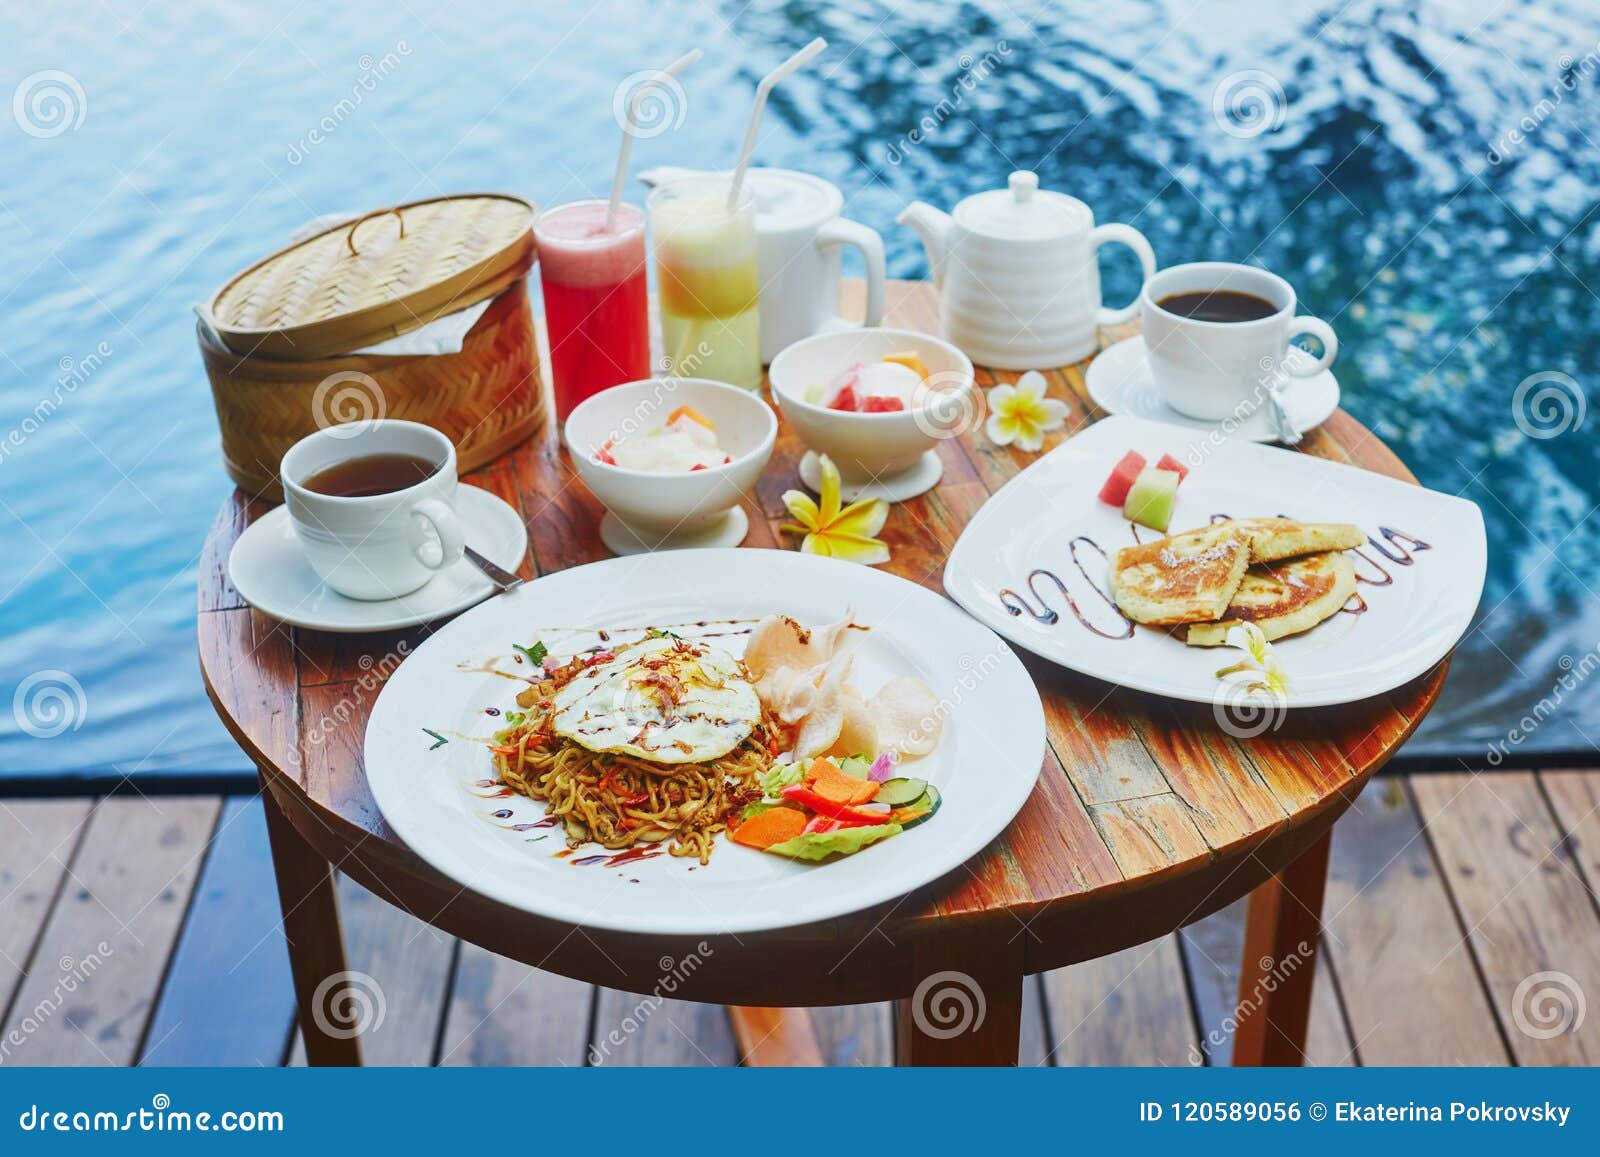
x=1401 y=555
x=1016 y=604
x=1397 y=546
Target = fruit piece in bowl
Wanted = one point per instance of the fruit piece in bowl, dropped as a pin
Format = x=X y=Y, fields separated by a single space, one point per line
x=676 y=480
x=878 y=402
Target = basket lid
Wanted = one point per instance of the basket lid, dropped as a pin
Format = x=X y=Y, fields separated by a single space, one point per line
x=382 y=275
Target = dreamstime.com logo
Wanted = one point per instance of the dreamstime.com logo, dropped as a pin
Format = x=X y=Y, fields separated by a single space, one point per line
x=674 y=971
x=948 y=1004
x=947 y=404
x=160 y=1117
x=1249 y=103
x=347 y=1004
x=1273 y=974
x=49 y=103
x=49 y=703
x=1248 y=710
x=347 y=403
x=649 y=103
x=73 y=976
x=1548 y=404
x=1547 y=1005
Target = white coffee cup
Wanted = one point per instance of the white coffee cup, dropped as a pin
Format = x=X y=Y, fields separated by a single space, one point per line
x=799 y=235
x=377 y=546
x=1213 y=370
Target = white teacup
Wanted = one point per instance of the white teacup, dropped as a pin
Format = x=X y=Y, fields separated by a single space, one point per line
x=1213 y=370
x=799 y=235
x=378 y=546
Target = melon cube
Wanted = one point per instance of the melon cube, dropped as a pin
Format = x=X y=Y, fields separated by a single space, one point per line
x=1151 y=498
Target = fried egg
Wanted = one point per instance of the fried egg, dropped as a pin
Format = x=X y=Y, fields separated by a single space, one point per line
x=666 y=700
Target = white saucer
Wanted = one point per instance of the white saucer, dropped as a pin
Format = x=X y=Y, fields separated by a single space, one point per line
x=918 y=478
x=623 y=539
x=270 y=573
x=1119 y=381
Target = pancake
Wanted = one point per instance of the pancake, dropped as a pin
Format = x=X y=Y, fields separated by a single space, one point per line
x=1284 y=598
x=1275 y=538
x=1187 y=578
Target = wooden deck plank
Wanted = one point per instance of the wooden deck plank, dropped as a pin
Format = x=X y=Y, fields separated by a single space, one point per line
x=37 y=840
x=1575 y=798
x=1212 y=954
x=505 y=1013
x=1530 y=919
x=228 y=998
x=1411 y=990
x=632 y=1029
x=405 y=960
x=860 y=1035
x=102 y=955
x=1129 y=1008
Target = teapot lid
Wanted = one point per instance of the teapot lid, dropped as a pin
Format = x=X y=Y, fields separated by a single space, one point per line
x=1021 y=212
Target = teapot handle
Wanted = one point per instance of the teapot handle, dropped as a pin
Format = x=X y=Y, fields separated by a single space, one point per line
x=1133 y=239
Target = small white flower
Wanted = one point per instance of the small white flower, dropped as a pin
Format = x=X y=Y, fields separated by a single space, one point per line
x=1022 y=414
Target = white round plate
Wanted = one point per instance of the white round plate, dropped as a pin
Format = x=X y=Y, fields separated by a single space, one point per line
x=1119 y=381
x=918 y=478
x=442 y=801
x=271 y=573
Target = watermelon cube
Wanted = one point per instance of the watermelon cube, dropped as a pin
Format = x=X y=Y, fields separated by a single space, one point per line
x=1168 y=462
x=881 y=404
x=1115 y=491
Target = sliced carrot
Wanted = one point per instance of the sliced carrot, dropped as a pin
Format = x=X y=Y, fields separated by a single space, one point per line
x=905 y=815
x=773 y=826
x=911 y=360
x=692 y=414
x=835 y=786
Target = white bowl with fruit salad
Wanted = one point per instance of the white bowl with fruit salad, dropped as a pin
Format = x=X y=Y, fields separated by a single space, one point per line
x=877 y=402
x=671 y=459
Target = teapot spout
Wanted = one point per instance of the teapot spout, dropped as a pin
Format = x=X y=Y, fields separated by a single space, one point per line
x=933 y=226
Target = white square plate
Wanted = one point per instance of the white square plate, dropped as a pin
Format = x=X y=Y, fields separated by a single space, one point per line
x=1420 y=573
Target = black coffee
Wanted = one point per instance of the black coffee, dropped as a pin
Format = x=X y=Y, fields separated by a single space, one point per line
x=370 y=474
x=1218 y=305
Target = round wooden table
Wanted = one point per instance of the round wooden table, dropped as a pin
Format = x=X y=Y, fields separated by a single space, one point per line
x=1147 y=816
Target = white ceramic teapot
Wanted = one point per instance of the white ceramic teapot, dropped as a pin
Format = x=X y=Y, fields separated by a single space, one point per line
x=1019 y=273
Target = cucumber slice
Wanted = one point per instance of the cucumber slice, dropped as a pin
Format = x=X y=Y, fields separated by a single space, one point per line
x=900 y=791
x=855 y=766
x=931 y=801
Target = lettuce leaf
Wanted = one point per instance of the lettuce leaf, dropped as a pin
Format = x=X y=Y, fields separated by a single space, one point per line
x=780 y=776
x=844 y=842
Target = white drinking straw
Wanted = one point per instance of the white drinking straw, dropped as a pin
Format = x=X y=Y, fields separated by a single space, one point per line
x=768 y=83
x=657 y=81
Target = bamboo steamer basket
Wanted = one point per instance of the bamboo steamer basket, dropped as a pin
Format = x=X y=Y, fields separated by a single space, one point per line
x=486 y=398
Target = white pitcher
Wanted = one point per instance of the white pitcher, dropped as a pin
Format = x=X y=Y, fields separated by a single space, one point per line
x=799 y=232
x=1019 y=273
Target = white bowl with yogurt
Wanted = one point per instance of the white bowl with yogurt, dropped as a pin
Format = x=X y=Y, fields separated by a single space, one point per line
x=890 y=454
x=659 y=473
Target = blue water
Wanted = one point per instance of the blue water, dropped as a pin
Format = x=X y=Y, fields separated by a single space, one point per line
x=1454 y=259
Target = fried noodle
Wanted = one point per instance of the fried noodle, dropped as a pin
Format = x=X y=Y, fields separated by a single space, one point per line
x=618 y=800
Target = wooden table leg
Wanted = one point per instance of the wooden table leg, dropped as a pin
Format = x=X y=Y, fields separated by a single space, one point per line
x=316 y=942
x=775 y=1037
x=967 y=1006
x=1281 y=935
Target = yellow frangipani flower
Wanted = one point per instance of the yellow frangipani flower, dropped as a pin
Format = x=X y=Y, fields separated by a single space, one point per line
x=1022 y=414
x=833 y=531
